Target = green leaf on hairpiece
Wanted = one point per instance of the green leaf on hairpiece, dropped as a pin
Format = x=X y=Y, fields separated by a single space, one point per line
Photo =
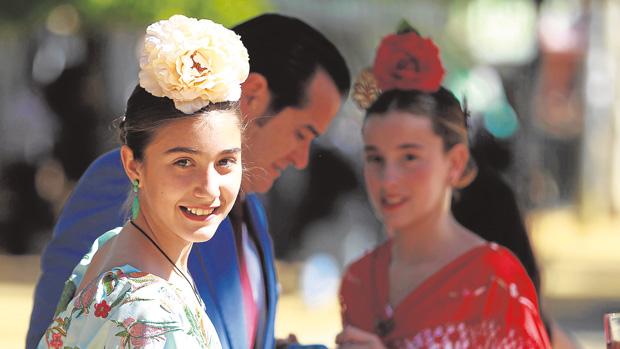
x=404 y=27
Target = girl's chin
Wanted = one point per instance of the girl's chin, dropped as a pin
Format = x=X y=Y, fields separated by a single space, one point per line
x=203 y=234
x=392 y=226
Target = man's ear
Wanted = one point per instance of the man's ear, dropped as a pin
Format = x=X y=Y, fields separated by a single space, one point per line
x=458 y=156
x=255 y=97
x=132 y=166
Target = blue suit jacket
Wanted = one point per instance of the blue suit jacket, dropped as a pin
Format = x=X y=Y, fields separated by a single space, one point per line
x=96 y=206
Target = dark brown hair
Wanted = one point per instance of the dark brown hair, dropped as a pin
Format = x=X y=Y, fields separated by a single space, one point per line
x=288 y=52
x=448 y=119
x=145 y=114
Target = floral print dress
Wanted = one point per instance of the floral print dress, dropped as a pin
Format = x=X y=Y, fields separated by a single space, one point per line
x=126 y=308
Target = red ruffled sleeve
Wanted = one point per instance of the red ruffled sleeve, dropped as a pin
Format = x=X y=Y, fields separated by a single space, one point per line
x=512 y=300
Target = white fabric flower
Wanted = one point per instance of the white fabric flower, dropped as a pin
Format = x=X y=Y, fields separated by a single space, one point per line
x=193 y=62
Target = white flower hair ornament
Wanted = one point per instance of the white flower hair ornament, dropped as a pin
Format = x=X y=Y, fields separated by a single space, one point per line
x=194 y=62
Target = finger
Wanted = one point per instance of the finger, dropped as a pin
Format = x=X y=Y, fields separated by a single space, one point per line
x=352 y=333
x=339 y=338
x=343 y=336
x=350 y=345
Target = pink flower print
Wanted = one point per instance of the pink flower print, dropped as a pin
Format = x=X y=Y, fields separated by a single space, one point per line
x=141 y=333
x=56 y=341
x=85 y=298
x=128 y=321
x=102 y=309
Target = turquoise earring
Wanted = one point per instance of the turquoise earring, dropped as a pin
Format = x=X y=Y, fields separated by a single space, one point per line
x=135 y=206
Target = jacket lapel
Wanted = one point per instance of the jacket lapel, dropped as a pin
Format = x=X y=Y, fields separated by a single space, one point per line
x=215 y=268
x=258 y=226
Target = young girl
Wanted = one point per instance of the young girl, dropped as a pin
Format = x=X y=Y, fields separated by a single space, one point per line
x=182 y=152
x=433 y=284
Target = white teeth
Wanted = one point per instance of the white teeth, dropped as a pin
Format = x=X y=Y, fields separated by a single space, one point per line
x=199 y=211
x=391 y=201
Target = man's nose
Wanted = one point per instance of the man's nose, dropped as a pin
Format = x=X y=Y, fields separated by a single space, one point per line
x=300 y=155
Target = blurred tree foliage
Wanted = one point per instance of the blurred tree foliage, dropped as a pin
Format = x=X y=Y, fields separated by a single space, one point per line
x=106 y=13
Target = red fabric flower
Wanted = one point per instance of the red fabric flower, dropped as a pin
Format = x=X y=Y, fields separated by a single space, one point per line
x=102 y=309
x=56 y=341
x=408 y=62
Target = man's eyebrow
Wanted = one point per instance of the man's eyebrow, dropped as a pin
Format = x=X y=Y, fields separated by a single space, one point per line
x=312 y=130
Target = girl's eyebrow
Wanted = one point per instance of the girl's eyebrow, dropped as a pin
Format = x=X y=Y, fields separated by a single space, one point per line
x=401 y=146
x=189 y=150
x=231 y=151
x=409 y=146
x=182 y=150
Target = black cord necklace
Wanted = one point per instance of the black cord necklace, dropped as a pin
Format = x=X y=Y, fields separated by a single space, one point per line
x=191 y=284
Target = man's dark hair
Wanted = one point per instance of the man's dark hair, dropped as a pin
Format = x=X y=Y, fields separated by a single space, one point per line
x=287 y=52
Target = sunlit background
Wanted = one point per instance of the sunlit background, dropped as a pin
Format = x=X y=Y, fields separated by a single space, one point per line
x=538 y=75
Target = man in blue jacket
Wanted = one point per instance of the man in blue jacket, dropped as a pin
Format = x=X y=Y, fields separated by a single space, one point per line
x=296 y=86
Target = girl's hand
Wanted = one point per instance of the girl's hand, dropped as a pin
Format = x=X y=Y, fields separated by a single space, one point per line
x=352 y=337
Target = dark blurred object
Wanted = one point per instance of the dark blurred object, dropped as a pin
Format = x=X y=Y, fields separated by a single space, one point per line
x=329 y=176
x=32 y=190
x=488 y=206
x=73 y=97
x=27 y=216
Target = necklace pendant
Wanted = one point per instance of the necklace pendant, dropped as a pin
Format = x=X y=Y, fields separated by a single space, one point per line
x=384 y=326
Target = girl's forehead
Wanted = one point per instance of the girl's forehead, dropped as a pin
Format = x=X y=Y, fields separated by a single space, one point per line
x=211 y=131
x=397 y=122
x=199 y=123
x=400 y=130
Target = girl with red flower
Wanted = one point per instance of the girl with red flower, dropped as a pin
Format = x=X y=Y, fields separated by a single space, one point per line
x=433 y=284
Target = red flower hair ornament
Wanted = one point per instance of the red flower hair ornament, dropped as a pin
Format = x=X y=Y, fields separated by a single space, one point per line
x=404 y=61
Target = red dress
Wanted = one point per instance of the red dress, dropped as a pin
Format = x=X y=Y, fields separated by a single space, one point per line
x=481 y=299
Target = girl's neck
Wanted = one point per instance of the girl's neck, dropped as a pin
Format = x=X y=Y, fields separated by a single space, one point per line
x=173 y=247
x=425 y=240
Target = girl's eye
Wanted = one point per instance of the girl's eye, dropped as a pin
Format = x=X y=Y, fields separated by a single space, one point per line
x=373 y=159
x=183 y=163
x=410 y=157
x=227 y=162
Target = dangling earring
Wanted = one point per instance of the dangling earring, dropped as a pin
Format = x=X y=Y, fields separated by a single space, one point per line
x=135 y=206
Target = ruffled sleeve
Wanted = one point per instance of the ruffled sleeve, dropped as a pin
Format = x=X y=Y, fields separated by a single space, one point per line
x=513 y=302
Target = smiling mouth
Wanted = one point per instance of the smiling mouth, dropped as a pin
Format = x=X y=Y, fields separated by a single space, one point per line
x=392 y=202
x=199 y=214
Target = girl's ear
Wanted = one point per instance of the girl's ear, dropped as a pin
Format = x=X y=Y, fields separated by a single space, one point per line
x=132 y=166
x=255 y=97
x=458 y=157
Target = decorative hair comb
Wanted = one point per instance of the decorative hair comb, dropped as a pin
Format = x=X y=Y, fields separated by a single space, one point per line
x=404 y=61
x=194 y=62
